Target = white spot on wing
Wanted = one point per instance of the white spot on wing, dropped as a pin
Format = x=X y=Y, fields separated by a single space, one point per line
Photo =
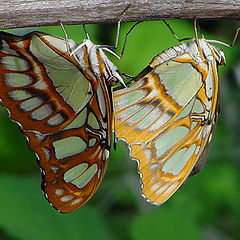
x=82 y=180
x=46 y=152
x=209 y=83
x=105 y=155
x=155 y=186
x=42 y=112
x=66 y=198
x=5 y=48
x=69 y=146
x=165 y=142
x=162 y=189
x=99 y=173
x=17 y=79
x=56 y=120
x=59 y=192
x=92 y=121
x=148 y=153
x=197 y=150
x=149 y=119
x=55 y=169
x=77 y=201
x=177 y=162
x=19 y=95
x=72 y=173
x=30 y=104
x=14 y=63
x=92 y=142
x=160 y=122
x=79 y=121
x=171 y=187
x=132 y=97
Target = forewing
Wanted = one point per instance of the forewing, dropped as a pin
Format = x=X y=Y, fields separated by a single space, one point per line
x=152 y=102
x=40 y=84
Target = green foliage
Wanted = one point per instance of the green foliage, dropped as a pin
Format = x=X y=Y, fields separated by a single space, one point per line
x=13 y=145
x=207 y=206
x=25 y=215
x=165 y=223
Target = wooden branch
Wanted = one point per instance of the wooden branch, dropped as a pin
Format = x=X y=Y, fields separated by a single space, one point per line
x=26 y=13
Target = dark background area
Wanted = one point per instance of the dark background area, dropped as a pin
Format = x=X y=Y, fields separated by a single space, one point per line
x=207 y=207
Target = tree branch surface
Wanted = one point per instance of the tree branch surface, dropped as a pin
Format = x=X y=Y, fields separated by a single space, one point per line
x=28 y=13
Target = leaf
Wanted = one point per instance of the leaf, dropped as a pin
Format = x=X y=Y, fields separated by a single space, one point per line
x=165 y=223
x=15 y=156
x=26 y=215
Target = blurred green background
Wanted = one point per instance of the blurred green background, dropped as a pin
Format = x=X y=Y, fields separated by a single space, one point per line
x=207 y=207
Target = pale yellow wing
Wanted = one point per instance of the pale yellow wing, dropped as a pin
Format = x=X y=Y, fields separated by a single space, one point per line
x=166 y=120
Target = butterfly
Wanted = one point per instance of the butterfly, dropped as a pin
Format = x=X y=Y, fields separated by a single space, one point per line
x=167 y=115
x=60 y=94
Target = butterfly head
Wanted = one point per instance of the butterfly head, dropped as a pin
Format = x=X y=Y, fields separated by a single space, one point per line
x=201 y=48
x=100 y=63
x=216 y=53
x=220 y=54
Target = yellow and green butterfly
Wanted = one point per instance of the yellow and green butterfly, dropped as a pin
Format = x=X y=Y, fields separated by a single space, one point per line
x=167 y=115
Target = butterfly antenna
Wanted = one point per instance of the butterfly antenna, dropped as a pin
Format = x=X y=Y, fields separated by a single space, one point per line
x=108 y=47
x=118 y=27
x=66 y=37
x=235 y=36
x=86 y=33
x=126 y=37
x=225 y=44
x=174 y=34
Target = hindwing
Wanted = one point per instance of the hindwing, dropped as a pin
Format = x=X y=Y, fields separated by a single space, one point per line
x=63 y=104
x=167 y=116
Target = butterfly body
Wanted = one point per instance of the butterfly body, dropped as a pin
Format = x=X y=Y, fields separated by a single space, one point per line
x=167 y=116
x=63 y=104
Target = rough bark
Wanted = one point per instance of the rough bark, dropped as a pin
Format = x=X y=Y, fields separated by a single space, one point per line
x=26 y=13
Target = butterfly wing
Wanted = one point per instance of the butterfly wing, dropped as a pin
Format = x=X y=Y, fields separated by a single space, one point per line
x=166 y=119
x=64 y=106
x=39 y=82
x=74 y=160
